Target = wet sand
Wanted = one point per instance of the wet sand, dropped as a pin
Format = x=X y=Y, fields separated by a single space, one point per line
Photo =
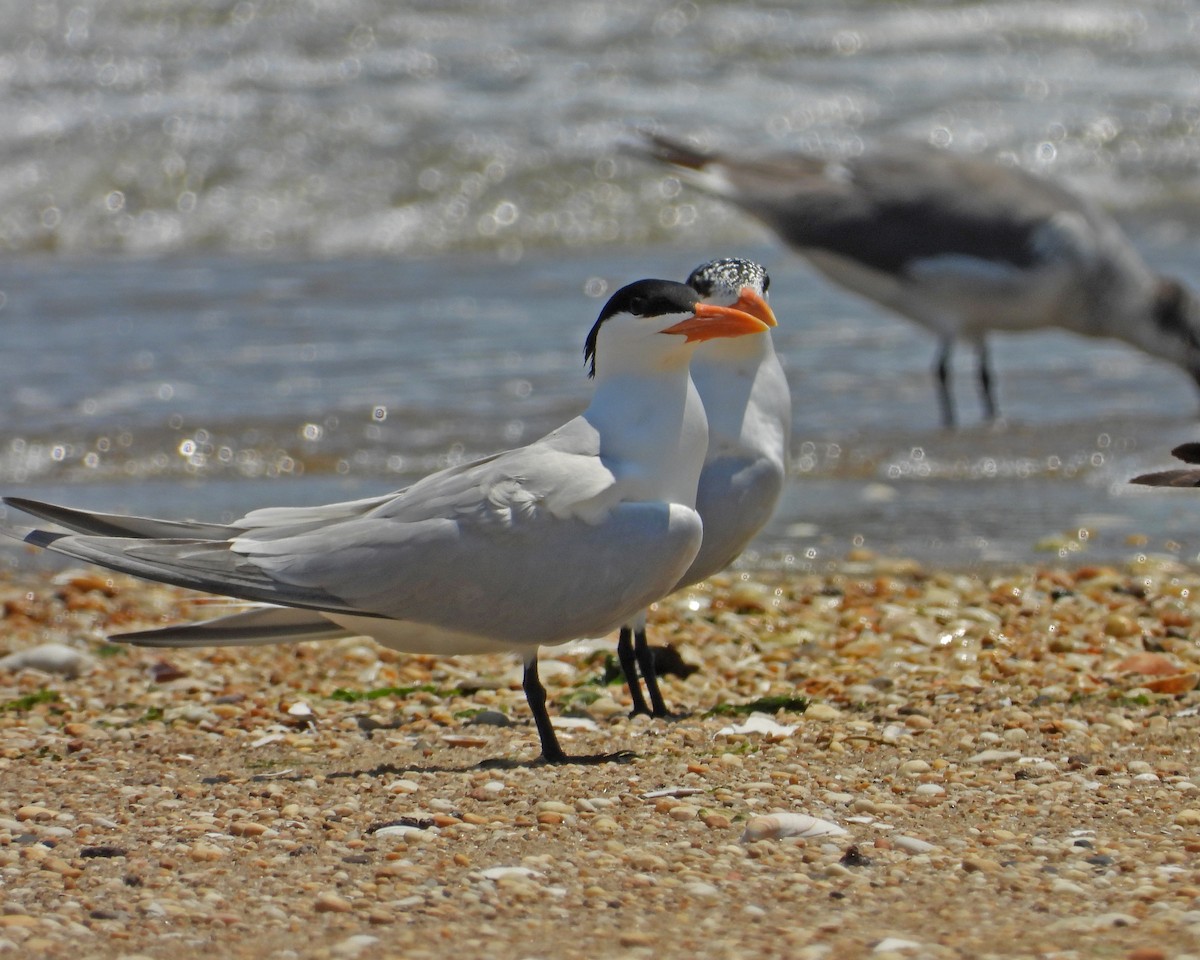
x=1012 y=757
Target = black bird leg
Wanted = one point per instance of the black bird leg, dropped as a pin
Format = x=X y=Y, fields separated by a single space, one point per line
x=645 y=657
x=985 y=382
x=535 y=695
x=941 y=370
x=626 y=657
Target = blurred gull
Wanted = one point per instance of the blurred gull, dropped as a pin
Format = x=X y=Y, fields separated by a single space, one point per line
x=961 y=245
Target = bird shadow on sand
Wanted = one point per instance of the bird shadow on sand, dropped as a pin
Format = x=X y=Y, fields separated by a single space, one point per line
x=397 y=770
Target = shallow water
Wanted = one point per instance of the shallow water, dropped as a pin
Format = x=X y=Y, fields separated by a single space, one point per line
x=365 y=127
x=264 y=252
x=205 y=387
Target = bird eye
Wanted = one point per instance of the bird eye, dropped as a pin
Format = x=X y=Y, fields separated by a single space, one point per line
x=766 y=283
x=638 y=306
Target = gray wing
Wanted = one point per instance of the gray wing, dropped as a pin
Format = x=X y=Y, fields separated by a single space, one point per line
x=522 y=547
x=736 y=498
x=117 y=525
x=905 y=204
x=328 y=547
x=262 y=625
x=206 y=565
x=288 y=520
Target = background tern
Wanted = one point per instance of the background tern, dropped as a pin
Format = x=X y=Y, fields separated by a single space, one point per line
x=568 y=537
x=749 y=410
x=961 y=245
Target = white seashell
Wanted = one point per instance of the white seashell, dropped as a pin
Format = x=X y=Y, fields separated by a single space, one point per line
x=573 y=723
x=396 y=830
x=556 y=669
x=761 y=723
x=897 y=945
x=671 y=792
x=499 y=873
x=354 y=946
x=50 y=658
x=913 y=844
x=269 y=738
x=775 y=826
x=300 y=709
x=404 y=786
x=995 y=756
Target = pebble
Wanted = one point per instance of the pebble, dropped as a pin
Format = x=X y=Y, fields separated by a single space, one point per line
x=328 y=902
x=822 y=713
x=32 y=811
x=248 y=828
x=897 y=945
x=205 y=852
x=555 y=806
x=355 y=945
x=698 y=888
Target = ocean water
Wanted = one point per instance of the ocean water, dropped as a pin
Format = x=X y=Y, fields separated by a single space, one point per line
x=266 y=252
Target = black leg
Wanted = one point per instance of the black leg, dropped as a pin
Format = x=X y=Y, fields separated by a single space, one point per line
x=645 y=657
x=625 y=656
x=535 y=695
x=941 y=370
x=985 y=382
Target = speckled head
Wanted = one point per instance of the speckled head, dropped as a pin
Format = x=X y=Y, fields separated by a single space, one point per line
x=726 y=277
x=737 y=282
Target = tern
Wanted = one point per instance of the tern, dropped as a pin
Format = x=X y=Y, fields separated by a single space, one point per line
x=1182 y=477
x=568 y=537
x=749 y=408
x=960 y=245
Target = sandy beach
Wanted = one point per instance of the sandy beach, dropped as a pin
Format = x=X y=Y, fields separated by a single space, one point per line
x=997 y=765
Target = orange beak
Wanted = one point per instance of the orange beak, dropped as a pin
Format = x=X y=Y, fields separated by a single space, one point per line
x=751 y=301
x=709 y=322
